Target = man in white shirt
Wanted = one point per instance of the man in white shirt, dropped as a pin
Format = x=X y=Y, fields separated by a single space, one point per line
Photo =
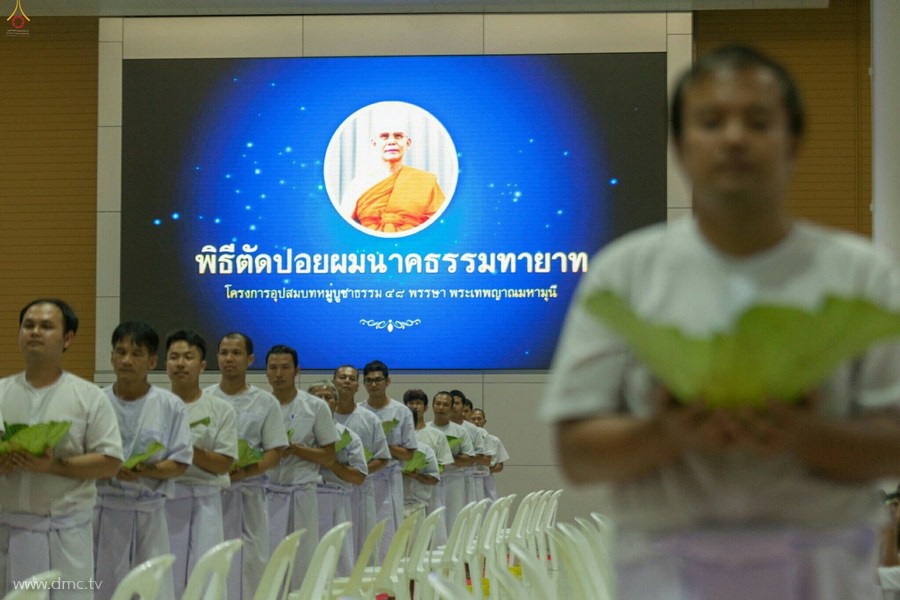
x=496 y=450
x=453 y=477
x=776 y=501
x=260 y=427
x=194 y=512
x=47 y=502
x=311 y=433
x=366 y=425
x=396 y=421
x=130 y=518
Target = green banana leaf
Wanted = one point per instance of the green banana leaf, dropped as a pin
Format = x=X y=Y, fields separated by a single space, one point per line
x=343 y=442
x=137 y=459
x=771 y=351
x=35 y=439
x=247 y=455
x=416 y=463
x=388 y=426
x=203 y=421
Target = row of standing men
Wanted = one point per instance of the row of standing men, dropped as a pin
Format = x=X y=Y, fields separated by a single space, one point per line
x=308 y=460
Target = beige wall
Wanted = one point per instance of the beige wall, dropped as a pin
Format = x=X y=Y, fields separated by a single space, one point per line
x=48 y=198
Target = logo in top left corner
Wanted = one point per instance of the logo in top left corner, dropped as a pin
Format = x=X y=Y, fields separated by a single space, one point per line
x=17 y=21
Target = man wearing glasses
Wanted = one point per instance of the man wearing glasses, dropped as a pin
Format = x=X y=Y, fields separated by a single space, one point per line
x=400 y=432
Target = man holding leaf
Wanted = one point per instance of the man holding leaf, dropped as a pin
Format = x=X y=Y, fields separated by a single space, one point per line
x=48 y=500
x=718 y=495
x=194 y=512
x=130 y=518
x=396 y=421
x=291 y=489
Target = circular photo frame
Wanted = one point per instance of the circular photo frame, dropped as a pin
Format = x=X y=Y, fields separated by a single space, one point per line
x=391 y=169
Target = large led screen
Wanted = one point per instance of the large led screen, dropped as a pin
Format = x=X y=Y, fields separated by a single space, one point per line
x=433 y=212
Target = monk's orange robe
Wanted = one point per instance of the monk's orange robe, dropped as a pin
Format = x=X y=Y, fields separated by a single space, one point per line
x=403 y=200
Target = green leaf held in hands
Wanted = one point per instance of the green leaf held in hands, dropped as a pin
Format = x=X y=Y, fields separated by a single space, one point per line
x=137 y=459
x=203 y=421
x=771 y=352
x=343 y=442
x=388 y=426
x=247 y=455
x=416 y=463
x=35 y=439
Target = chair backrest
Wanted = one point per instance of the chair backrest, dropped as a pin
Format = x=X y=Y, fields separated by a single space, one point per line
x=354 y=586
x=521 y=518
x=470 y=545
x=599 y=536
x=144 y=580
x=584 y=572
x=446 y=589
x=494 y=542
x=395 y=553
x=276 y=579
x=533 y=573
x=415 y=565
x=209 y=578
x=36 y=587
x=317 y=582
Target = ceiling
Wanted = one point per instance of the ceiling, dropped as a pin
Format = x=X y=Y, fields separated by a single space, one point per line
x=158 y=8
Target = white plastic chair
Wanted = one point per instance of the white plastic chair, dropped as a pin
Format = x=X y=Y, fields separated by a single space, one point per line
x=484 y=552
x=446 y=589
x=276 y=579
x=534 y=574
x=449 y=560
x=209 y=578
x=545 y=524
x=317 y=582
x=39 y=588
x=534 y=523
x=599 y=533
x=352 y=586
x=145 y=579
x=579 y=562
x=386 y=576
x=504 y=584
x=516 y=532
x=414 y=568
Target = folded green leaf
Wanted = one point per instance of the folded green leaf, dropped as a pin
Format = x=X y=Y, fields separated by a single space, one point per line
x=247 y=454
x=343 y=442
x=137 y=459
x=416 y=463
x=388 y=426
x=771 y=352
x=203 y=421
x=290 y=435
x=35 y=439
x=454 y=442
x=368 y=454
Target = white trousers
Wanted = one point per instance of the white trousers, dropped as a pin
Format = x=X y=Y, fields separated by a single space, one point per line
x=292 y=508
x=454 y=494
x=362 y=500
x=31 y=544
x=748 y=564
x=245 y=516
x=334 y=509
x=388 y=487
x=127 y=533
x=195 y=526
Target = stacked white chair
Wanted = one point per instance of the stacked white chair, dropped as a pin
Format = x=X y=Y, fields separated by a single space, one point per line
x=548 y=520
x=534 y=574
x=580 y=563
x=487 y=544
x=516 y=534
x=414 y=569
x=317 y=582
x=209 y=578
x=145 y=579
x=449 y=560
x=353 y=586
x=447 y=589
x=38 y=587
x=276 y=579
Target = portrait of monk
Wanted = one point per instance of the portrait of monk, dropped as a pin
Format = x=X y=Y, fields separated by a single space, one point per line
x=392 y=196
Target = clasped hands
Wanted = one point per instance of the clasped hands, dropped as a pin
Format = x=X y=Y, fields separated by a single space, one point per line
x=775 y=428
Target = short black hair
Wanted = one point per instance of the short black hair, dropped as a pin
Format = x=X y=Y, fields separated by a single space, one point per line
x=191 y=337
x=456 y=393
x=739 y=57
x=140 y=334
x=420 y=395
x=234 y=335
x=467 y=402
x=375 y=366
x=345 y=367
x=70 y=319
x=282 y=349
